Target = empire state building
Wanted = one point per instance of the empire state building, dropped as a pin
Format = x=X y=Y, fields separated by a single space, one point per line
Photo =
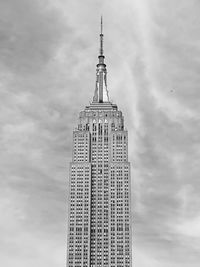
x=99 y=227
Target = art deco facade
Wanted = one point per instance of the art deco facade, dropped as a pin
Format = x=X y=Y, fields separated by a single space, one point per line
x=99 y=232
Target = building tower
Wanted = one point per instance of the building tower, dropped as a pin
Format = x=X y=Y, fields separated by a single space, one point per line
x=99 y=232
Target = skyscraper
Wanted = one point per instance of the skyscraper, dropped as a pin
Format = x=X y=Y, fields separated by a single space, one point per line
x=99 y=232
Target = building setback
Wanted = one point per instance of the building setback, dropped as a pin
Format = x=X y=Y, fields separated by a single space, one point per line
x=99 y=228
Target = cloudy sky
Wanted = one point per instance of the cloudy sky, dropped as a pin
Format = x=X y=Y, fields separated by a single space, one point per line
x=48 y=53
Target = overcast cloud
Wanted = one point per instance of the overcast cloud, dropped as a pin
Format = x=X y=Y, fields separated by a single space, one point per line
x=48 y=53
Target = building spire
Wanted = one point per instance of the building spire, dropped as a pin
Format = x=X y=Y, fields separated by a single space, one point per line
x=101 y=92
x=101 y=24
x=101 y=38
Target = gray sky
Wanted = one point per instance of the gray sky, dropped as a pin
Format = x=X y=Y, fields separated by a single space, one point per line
x=48 y=53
